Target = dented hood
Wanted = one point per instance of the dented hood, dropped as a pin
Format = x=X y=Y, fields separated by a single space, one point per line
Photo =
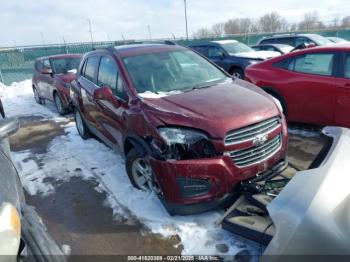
x=312 y=213
x=216 y=109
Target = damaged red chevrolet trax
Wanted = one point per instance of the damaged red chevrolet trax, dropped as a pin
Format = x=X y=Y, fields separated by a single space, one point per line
x=189 y=132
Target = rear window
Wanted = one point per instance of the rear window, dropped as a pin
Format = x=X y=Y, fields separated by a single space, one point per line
x=267 y=41
x=285 y=41
x=90 y=68
x=319 y=64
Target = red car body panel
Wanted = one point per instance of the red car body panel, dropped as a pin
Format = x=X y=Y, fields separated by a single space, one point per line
x=309 y=98
x=215 y=111
x=48 y=84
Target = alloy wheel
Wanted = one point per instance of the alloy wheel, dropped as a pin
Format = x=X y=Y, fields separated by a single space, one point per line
x=143 y=176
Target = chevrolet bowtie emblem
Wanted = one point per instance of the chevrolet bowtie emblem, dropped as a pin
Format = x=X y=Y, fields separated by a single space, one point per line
x=259 y=140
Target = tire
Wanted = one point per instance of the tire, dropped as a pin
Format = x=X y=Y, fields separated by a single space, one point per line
x=237 y=72
x=136 y=160
x=59 y=105
x=82 y=128
x=37 y=98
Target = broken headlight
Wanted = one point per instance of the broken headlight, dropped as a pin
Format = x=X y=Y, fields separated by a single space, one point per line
x=184 y=143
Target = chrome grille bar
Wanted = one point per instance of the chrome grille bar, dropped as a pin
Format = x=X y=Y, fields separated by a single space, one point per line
x=250 y=132
x=254 y=155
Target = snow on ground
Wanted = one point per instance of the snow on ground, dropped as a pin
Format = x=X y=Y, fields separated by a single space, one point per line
x=69 y=156
x=18 y=100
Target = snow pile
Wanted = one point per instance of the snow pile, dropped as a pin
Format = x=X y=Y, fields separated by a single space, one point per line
x=70 y=156
x=18 y=100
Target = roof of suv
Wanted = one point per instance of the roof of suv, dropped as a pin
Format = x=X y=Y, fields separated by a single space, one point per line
x=140 y=49
x=60 y=56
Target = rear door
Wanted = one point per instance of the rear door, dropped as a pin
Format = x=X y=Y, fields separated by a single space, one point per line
x=342 y=114
x=308 y=86
x=111 y=116
x=87 y=83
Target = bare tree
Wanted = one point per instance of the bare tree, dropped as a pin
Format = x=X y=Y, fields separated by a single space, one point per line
x=272 y=22
x=202 y=33
x=311 y=21
x=345 y=22
x=238 y=26
x=218 y=29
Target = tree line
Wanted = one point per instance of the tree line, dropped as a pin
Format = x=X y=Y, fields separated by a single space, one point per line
x=271 y=22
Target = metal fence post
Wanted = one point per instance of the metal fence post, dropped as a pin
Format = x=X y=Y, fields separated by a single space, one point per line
x=1 y=78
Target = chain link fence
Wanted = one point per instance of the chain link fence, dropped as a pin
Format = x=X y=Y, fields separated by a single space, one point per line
x=16 y=63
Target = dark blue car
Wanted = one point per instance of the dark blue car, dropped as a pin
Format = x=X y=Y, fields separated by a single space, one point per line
x=232 y=55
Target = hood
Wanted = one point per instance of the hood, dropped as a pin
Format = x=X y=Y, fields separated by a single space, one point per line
x=67 y=78
x=216 y=110
x=258 y=54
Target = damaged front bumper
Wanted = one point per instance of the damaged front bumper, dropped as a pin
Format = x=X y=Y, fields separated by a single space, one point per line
x=309 y=215
x=194 y=186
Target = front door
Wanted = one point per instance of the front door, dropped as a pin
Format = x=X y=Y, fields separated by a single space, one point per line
x=111 y=117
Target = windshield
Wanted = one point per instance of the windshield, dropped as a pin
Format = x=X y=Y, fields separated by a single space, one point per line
x=171 y=71
x=234 y=48
x=320 y=40
x=63 y=65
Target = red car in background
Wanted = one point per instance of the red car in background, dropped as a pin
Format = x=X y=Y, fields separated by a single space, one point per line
x=313 y=85
x=52 y=76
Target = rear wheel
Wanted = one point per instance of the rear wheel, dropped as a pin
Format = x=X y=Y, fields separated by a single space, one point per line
x=83 y=130
x=37 y=98
x=59 y=105
x=237 y=73
x=140 y=172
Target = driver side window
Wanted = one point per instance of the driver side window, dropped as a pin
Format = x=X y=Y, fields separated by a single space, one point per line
x=214 y=51
x=108 y=75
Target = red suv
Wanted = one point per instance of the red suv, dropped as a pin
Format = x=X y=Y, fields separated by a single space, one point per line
x=189 y=132
x=52 y=77
x=313 y=85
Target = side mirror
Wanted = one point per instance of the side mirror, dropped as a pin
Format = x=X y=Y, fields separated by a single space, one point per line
x=46 y=71
x=8 y=126
x=104 y=93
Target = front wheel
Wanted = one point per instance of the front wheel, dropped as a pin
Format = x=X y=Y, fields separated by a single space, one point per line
x=59 y=105
x=140 y=172
x=82 y=128
x=237 y=73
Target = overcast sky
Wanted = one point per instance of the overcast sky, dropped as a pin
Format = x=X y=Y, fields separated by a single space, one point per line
x=23 y=21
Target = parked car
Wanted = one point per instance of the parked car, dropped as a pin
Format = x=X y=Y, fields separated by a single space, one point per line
x=280 y=48
x=337 y=40
x=188 y=130
x=232 y=55
x=306 y=216
x=313 y=85
x=295 y=40
x=52 y=76
x=22 y=234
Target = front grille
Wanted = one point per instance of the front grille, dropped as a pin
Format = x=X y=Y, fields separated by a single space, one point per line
x=256 y=154
x=250 y=132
